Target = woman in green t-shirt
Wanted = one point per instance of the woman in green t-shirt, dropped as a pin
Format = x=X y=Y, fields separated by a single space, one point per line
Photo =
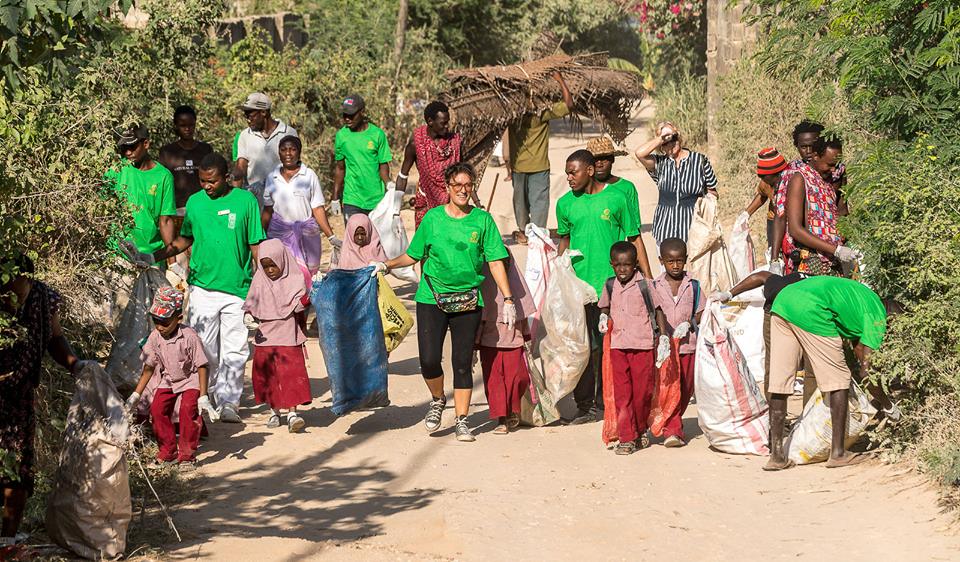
x=453 y=241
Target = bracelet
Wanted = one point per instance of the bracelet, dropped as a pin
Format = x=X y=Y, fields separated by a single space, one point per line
x=402 y=176
x=507 y=299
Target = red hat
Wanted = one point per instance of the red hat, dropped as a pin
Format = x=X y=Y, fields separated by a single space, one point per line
x=770 y=161
x=167 y=302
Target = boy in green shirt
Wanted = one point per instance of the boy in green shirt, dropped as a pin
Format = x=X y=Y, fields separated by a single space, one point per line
x=222 y=224
x=590 y=218
x=363 y=157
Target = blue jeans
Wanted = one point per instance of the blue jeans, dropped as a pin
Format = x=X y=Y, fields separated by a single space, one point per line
x=531 y=198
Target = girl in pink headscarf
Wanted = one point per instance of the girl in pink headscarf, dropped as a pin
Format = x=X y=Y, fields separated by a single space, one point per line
x=361 y=244
x=276 y=295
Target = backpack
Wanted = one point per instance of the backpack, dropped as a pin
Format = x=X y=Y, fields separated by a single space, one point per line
x=647 y=301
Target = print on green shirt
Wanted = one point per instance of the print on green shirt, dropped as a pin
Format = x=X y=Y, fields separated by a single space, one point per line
x=362 y=153
x=593 y=222
x=149 y=195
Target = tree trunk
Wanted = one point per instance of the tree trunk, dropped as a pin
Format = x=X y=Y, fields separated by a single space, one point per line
x=399 y=38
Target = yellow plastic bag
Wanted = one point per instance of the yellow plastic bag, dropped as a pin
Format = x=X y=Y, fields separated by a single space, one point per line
x=396 y=319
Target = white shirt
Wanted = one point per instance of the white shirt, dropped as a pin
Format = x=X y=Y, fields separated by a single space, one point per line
x=296 y=199
x=262 y=153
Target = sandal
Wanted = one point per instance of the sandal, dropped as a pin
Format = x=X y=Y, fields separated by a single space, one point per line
x=513 y=421
x=501 y=429
x=273 y=422
x=627 y=448
x=849 y=459
x=772 y=466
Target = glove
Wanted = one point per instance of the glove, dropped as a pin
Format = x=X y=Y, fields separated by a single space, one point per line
x=179 y=271
x=250 y=322
x=335 y=208
x=604 y=323
x=204 y=404
x=719 y=296
x=845 y=254
x=135 y=256
x=334 y=241
x=740 y=224
x=775 y=267
x=132 y=401
x=391 y=185
x=378 y=267
x=317 y=277
x=681 y=330
x=509 y=315
x=663 y=350
x=475 y=359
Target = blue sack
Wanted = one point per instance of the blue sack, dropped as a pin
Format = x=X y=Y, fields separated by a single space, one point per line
x=351 y=339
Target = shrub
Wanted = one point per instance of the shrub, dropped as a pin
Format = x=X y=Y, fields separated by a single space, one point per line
x=683 y=102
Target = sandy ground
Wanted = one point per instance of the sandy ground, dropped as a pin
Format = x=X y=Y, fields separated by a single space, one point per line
x=375 y=485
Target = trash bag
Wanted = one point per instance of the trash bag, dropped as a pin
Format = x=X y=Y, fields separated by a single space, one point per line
x=351 y=339
x=609 y=434
x=123 y=364
x=540 y=251
x=393 y=236
x=741 y=250
x=396 y=319
x=89 y=509
x=809 y=440
x=709 y=261
x=730 y=405
x=565 y=350
x=537 y=407
x=744 y=316
x=666 y=391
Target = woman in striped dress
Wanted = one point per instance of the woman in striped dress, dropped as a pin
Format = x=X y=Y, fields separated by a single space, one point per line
x=683 y=176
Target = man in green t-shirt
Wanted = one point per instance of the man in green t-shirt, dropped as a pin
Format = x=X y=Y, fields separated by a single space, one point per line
x=605 y=153
x=528 y=163
x=222 y=224
x=590 y=219
x=362 y=157
x=810 y=318
x=148 y=189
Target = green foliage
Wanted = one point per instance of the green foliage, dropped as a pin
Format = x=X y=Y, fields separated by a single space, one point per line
x=683 y=102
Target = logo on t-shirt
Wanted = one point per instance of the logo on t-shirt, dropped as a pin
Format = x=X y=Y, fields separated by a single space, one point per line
x=370 y=145
x=474 y=237
x=153 y=189
x=232 y=221
x=605 y=215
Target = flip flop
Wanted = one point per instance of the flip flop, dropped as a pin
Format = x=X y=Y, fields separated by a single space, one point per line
x=627 y=448
x=501 y=429
x=773 y=468
x=850 y=459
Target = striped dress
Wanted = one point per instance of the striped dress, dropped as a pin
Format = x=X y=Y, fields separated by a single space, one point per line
x=680 y=187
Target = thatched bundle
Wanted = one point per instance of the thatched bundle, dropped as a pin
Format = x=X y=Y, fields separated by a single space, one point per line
x=485 y=101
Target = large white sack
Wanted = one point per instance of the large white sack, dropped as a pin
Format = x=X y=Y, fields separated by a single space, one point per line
x=809 y=440
x=393 y=236
x=744 y=317
x=123 y=364
x=565 y=350
x=742 y=250
x=731 y=409
x=540 y=252
x=709 y=261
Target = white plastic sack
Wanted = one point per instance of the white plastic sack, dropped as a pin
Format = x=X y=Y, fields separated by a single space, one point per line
x=709 y=261
x=393 y=236
x=124 y=365
x=565 y=350
x=731 y=409
x=544 y=410
x=744 y=317
x=89 y=509
x=742 y=250
x=540 y=252
x=809 y=440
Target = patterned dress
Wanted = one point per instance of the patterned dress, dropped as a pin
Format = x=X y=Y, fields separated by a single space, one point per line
x=434 y=156
x=19 y=377
x=820 y=219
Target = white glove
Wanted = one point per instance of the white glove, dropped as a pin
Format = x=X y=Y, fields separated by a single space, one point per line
x=663 y=350
x=719 y=296
x=335 y=208
x=845 y=254
x=334 y=241
x=509 y=315
x=378 y=267
x=204 y=404
x=604 y=323
x=740 y=224
x=775 y=267
x=179 y=271
x=391 y=185
x=132 y=401
x=250 y=322
x=681 y=330
x=317 y=277
x=135 y=256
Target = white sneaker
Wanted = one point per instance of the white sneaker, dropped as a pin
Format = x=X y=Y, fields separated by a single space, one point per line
x=462 y=430
x=295 y=423
x=673 y=441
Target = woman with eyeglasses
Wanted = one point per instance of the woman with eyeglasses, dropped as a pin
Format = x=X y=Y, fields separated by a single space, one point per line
x=683 y=176
x=454 y=241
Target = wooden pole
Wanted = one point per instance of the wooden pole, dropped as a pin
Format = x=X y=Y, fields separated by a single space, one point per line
x=496 y=180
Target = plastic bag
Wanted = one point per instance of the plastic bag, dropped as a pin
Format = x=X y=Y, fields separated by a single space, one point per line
x=89 y=509
x=744 y=316
x=709 y=262
x=609 y=434
x=537 y=407
x=396 y=319
x=730 y=405
x=809 y=440
x=540 y=251
x=741 y=250
x=666 y=391
x=124 y=365
x=565 y=350
x=393 y=236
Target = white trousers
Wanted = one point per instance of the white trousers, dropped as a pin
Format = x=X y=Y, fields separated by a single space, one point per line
x=218 y=319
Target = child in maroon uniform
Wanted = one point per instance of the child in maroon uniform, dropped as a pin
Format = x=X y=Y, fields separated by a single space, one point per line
x=677 y=296
x=627 y=300
x=174 y=354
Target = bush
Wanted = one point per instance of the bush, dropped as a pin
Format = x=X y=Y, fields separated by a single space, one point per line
x=683 y=102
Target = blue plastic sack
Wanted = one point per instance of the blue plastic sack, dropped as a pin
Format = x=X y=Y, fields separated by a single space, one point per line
x=351 y=338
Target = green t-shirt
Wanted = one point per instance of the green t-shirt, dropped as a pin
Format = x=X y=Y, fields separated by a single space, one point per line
x=222 y=230
x=632 y=224
x=834 y=306
x=149 y=195
x=454 y=251
x=235 y=147
x=362 y=153
x=594 y=223
x=529 y=140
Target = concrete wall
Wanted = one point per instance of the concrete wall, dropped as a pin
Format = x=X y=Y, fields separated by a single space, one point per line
x=728 y=40
x=282 y=29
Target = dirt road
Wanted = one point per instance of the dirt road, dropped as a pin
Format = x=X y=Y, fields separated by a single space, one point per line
x=375 y=485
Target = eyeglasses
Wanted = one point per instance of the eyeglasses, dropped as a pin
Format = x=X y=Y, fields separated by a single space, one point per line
x=460 y=186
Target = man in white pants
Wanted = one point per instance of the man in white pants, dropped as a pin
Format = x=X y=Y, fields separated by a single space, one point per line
x=222 y=223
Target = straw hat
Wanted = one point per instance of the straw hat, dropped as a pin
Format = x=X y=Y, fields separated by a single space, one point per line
x=603 y=146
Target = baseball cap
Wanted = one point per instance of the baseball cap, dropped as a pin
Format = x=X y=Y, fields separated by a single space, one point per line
x=132 y=134
x=257 y=100
x=352 y=105
x=167 y=302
